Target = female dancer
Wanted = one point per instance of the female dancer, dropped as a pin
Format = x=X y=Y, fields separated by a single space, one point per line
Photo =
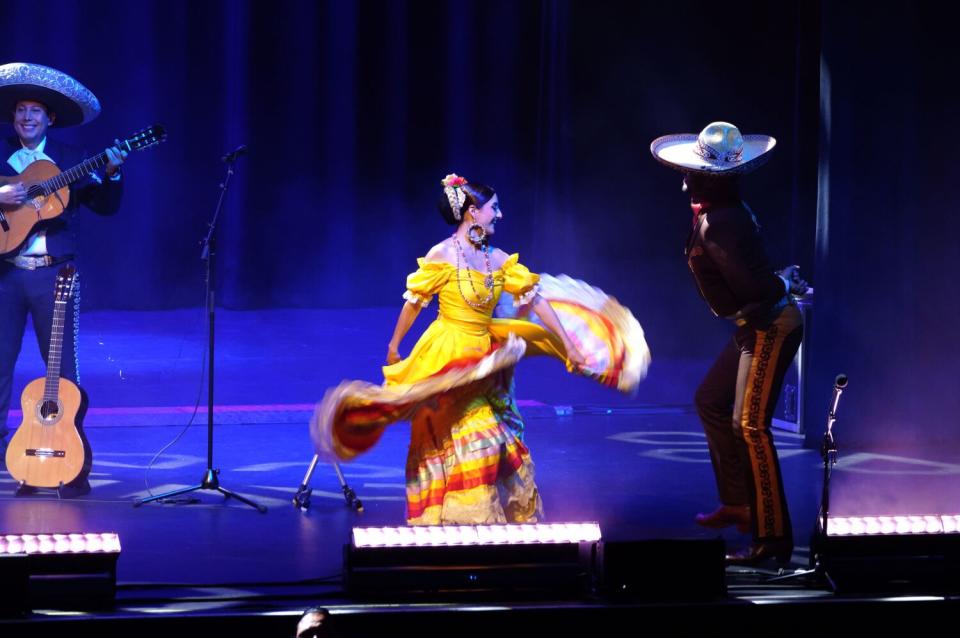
x=467 y=462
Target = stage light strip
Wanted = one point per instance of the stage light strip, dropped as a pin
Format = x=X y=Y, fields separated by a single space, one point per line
x=90 y=543
x=893 y=525
x=433 y=536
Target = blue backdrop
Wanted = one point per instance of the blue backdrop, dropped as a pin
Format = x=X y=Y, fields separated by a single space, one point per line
x=353 y=112
x=886 y=256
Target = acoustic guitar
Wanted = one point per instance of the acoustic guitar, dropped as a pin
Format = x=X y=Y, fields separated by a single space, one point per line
x=48 y=191
x=48 y=449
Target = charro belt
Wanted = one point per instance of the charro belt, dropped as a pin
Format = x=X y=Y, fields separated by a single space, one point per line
x=743 y=318
x=32 y=262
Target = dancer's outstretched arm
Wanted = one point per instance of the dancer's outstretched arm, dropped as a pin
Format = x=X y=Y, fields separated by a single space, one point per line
x=407 y=316
x=549 y=318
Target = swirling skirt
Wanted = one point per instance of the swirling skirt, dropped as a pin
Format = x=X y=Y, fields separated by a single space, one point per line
x=467 y=462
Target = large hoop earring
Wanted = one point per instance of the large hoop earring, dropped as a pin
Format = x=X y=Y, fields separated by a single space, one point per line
x=477 y=235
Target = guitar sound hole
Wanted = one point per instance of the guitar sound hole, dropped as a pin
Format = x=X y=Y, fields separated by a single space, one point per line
x=49 y=409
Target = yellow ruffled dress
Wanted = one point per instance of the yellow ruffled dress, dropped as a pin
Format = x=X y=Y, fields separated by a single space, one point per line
x=468 y=448
x=467 y=463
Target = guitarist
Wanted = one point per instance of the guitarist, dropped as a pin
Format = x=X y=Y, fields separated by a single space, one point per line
x=36 y=98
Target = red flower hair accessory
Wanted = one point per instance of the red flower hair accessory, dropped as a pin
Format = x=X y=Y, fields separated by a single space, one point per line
x=452 y=189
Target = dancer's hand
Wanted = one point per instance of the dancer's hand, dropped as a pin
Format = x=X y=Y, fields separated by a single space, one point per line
x=575 y=358
x=798 y=286
x=393 y=355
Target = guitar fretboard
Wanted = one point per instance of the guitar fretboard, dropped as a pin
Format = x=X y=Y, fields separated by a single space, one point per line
x=52 y=385
x=71 y=175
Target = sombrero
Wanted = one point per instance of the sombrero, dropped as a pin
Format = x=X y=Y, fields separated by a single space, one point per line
x=71 y=101
x=720 y=149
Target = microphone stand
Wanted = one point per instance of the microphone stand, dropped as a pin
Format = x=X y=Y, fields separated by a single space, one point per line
x=211 y=479
x=828 y=451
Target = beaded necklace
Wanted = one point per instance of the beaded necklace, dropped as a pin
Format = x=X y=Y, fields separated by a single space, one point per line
x=487 y=281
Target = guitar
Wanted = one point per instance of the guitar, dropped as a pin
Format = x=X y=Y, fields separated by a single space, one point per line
x=48 y=189
x=48 y=449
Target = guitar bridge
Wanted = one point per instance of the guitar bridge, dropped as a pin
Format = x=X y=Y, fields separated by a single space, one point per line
x=46 y=452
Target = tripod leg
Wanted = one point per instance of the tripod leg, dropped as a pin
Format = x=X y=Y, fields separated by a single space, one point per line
x=349 y=495
x=260 y=508
x=172 y=493
x=301 y=500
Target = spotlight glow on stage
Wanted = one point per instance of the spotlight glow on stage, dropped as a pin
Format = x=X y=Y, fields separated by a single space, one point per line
x=458 y=535
x=90 y=543
x=893 y=525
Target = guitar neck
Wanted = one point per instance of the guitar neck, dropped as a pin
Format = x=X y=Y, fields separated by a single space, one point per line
x=137 y=142
x=52 y=385
x=79 y=171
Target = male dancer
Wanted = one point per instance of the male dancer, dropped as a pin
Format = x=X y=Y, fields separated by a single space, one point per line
x=736 y=399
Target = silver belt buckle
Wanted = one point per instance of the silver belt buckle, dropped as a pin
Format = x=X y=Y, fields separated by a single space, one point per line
x=28 y=262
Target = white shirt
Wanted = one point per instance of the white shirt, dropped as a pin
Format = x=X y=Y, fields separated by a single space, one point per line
x=24 y=157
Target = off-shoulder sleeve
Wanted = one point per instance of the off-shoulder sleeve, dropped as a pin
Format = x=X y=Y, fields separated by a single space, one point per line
x=519 y=281
x=426 y=281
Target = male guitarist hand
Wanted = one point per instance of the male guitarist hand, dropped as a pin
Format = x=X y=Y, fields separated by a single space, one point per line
x=13 y=194
x=115 y=157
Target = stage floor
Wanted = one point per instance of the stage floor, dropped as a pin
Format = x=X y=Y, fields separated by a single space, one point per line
x=638 y=466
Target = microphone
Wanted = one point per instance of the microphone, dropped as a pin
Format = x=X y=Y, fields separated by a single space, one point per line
x=838 y=385
x=829 y=447
x=231 y=157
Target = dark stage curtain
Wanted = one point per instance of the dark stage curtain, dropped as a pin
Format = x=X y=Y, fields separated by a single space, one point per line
x=887 y=298
x=353 y=112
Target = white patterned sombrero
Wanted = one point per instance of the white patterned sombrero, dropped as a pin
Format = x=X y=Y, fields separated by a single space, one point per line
x=72 y=102
x=720 y=149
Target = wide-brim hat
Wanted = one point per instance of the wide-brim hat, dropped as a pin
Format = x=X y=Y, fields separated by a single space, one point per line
x=719 y=149
x=72 y=102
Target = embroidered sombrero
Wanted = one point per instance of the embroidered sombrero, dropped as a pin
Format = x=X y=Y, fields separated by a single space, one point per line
x=720 y=149
x=71 y=101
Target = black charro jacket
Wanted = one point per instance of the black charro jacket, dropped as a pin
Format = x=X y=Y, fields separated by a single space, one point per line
x=729 y=263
